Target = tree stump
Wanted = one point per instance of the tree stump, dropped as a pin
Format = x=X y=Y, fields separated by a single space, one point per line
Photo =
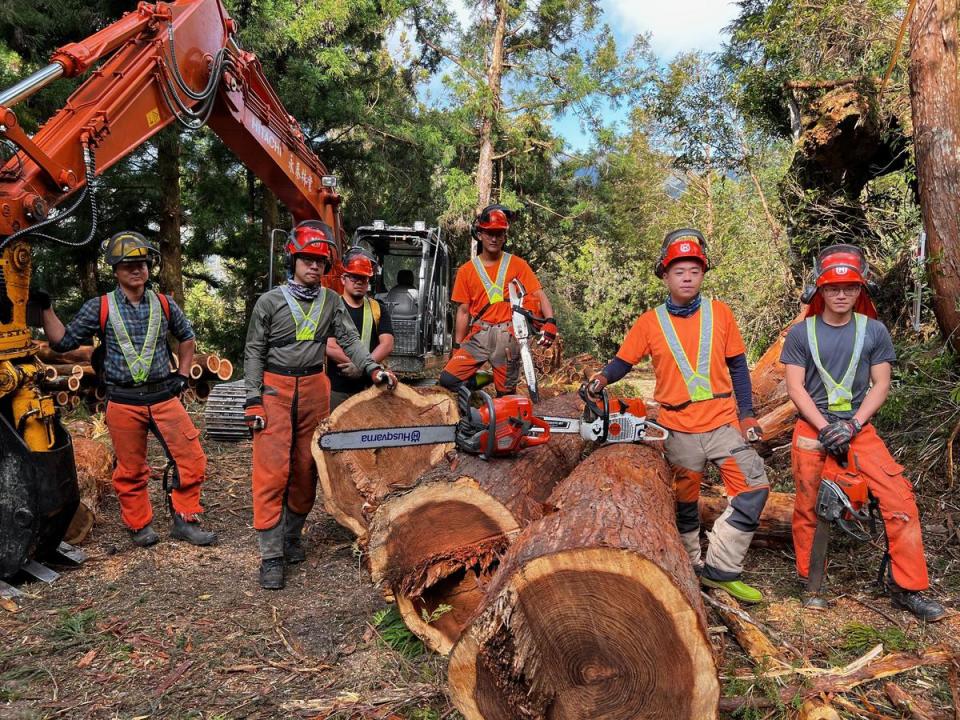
x=435 y=544
x=595 y=611
x=355 y=482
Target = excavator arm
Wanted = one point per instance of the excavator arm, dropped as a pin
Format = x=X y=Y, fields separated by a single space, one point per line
x=161 y=64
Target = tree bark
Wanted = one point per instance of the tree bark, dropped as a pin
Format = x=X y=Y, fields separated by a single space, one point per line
x=355 y=482
x=595 y=610
x=171 y=253
x=491 y=110
x=775 y=521
x=439 y=542
x=934 y=89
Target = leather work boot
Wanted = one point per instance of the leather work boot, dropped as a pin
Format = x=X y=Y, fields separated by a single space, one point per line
x=271 y=573
x=191 y=531
x=924 y=608
x=293 y=550
x=145 y=537
x=740 y=590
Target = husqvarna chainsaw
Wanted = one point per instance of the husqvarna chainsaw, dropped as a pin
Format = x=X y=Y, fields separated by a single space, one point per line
x=503 y=426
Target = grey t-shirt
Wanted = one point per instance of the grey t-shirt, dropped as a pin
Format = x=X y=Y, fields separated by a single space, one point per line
x=836 y=346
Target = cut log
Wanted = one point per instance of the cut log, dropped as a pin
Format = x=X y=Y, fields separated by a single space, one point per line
x=94 y=462
x=903 y=701
x=751 y=638
x=63 y=382
x=225 y=371
x=52 y=372
x=202 y=389
x=775 y=521
x=196 y=370
x=436 y=544
x=61 y=398
x=355 y=482
x=595 y=611
x=209 y=361
x=777 y=425
x=82 y=354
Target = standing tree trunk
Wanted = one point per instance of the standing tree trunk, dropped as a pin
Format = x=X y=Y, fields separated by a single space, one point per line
x=171 y=254
x=934 y=89
x=490 y=111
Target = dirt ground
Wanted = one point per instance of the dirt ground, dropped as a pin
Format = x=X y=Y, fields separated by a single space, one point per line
x=175 y=631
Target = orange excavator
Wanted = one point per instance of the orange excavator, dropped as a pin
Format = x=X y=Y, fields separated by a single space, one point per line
x=165 y=63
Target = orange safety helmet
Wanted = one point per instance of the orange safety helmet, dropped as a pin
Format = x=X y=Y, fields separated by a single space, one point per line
x=685 y=243
x=840 y=264
x=310 y=237
x=492 y=217
x=357 y=261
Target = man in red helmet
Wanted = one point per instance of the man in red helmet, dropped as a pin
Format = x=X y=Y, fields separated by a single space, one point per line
x=838 y=375
x=700 y=364
x=288 y=392
x=371 y=320
x=483 y=331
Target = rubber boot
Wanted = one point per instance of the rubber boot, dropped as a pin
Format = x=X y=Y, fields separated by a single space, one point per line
x=145 y=537
x=740 y=590
x=293 y=551
x=190 y=531
x=271 y=554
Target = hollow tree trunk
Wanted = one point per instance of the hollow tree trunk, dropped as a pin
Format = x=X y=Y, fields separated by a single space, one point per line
x=355 y=482
x=438 y=543
x=595 y=611
x=934 y=89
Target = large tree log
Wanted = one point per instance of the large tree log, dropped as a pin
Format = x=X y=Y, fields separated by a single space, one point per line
x=355 y=482
x=775 y=521
x=766 y=377
x=437 y=543
x=595 y=611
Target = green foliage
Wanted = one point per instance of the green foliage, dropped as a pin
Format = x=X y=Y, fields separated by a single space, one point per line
x=393 y=633
x=857 y=638
x=73 y=628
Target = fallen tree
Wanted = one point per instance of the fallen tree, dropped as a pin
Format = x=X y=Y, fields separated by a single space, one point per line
x=436 y=542
x=590 y=606
x=775 y=521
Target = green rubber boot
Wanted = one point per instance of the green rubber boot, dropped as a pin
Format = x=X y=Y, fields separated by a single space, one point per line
x=740 y=590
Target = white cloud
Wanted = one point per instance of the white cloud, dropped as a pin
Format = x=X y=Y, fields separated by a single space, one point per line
x=675 y=25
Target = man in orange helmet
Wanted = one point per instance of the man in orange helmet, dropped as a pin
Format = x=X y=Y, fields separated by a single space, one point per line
x=371 y=320
x=838 y=375
x=700 y=364
x=288 y=392
x=483 y=331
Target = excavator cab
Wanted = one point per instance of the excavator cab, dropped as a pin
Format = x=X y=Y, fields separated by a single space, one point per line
x=414 y=286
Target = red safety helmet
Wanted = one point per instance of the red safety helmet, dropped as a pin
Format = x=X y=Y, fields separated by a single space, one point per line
x=492 y=217
x=682 y=244
x=357 y=261
x=311 y=237
x=840 y=264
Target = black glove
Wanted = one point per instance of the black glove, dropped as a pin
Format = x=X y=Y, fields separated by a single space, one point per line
x=177 y=383
x=40 y=298
x=836 y=437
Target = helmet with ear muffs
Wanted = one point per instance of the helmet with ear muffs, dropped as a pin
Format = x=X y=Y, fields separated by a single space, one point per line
x=313 y=238
x=840 y=264
x=681 y=244
x=492 y=217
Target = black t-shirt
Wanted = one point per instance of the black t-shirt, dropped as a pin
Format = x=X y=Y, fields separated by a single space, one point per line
x=340 y=382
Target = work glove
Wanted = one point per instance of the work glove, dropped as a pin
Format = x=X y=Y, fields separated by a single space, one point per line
x=40 y=298
x=177 y=383
x=750 y=428
x=596 y=384
x=348 y=369
x=836 y=437
x=548 y=333
x=381 y=375
x=254 y=415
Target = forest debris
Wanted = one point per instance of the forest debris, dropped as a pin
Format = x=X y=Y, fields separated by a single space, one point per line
x=346 y=700
x=905 y=702
x=750 y=637
x=817 y=710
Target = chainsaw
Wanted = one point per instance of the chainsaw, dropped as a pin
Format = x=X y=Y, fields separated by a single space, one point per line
x=628 y=424
x=522 y=319
x=843 y=501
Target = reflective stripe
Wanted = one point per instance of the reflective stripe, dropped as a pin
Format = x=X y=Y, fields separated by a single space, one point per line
x=367 y=331
x=306 y=324
x=139 y=363
x=839 y=394
x=697 y=381
x=494 y=290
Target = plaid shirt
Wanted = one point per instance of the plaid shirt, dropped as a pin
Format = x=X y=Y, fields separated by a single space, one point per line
x=86 y=324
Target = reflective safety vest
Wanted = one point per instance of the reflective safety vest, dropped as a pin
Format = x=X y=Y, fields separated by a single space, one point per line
x=839 y=394
x=371 y=317
x=138 y=362
x=495 y=289
x=306 y=324
x=697 y=380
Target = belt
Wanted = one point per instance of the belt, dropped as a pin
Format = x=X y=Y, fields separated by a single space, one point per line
x=145 y=394
x=295 y=371
x=483 y=324
x=141 y=388
x=681 y=406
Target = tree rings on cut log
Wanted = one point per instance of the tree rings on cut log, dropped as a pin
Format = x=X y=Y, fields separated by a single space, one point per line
x=595 y=611
x=437 y=543
x=354 y=482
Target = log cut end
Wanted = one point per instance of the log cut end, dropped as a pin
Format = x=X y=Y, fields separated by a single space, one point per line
x=598 y=632
x=355 y=481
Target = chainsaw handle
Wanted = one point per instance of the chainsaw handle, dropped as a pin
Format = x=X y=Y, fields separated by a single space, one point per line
x=491 y=426
x=593 y=411
x=538 y=438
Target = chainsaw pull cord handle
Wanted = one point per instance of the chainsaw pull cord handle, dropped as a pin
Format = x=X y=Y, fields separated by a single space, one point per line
x=491 y=426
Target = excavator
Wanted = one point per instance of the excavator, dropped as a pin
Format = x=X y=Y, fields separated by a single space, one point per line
x=164 y=63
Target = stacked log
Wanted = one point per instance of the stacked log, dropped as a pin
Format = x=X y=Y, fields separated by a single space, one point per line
x=595 y=610
x=775 y=412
